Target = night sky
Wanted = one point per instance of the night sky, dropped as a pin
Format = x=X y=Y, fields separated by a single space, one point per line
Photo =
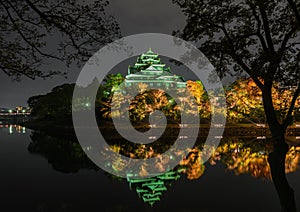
x=133 y=16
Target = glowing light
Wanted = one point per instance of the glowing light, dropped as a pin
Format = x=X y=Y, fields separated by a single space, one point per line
x=10 y=129
x=183 y=125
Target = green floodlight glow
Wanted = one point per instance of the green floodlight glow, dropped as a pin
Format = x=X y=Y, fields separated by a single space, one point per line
x=150 y=69
x=151 y=189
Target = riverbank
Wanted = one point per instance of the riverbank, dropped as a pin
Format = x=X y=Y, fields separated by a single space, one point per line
x=51 y=127
x=13 y=119
x=64 y=127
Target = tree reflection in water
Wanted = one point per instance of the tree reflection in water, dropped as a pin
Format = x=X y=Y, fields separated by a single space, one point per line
x=252 y=158
x=240 y=155
x=63 y=154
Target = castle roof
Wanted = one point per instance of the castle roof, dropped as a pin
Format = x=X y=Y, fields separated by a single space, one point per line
x=149 y=68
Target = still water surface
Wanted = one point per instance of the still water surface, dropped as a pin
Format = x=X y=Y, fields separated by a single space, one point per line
x=42 y=173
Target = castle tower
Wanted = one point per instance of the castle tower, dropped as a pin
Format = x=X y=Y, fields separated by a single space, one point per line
x=149 y=69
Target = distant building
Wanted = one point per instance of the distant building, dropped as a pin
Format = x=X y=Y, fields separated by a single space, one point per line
x=149 y=69
x=14 y=111
x=22 y=109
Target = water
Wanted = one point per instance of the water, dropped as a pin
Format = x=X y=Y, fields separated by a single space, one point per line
x=43 y=173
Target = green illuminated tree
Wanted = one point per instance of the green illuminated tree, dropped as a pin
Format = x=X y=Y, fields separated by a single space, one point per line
x=103 y=102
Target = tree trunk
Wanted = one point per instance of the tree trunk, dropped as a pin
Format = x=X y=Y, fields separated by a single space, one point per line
x=276 y=158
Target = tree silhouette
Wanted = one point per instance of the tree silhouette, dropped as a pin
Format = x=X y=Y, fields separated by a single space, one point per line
x=55 y=105
x=33 y=33
x=261 y=38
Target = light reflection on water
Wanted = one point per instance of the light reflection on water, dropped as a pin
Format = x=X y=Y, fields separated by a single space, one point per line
x=12 y=128
x=239 y=156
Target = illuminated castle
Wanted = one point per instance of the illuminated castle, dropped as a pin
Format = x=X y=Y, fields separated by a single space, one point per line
x=149 y=69
x=151 y=189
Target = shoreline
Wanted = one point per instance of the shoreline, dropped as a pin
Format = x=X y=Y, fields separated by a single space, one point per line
x=107 y=127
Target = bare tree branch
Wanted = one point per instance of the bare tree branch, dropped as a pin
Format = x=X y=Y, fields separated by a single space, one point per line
x=25 y=38
x=27 y=26
x=295 y=10
x=258 y=32
x=239 y=60
x=266 y=26
x=286 y=39
x=288 y=117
